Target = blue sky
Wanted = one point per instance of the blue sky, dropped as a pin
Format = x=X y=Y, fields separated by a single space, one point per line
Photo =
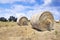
x=29 y=7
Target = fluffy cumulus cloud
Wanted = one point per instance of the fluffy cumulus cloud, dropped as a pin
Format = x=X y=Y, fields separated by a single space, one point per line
x=23 y=7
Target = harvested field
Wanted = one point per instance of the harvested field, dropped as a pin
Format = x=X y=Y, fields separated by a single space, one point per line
x=12 y=31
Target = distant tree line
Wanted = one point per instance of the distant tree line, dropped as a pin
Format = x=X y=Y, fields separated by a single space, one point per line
x=11 y=18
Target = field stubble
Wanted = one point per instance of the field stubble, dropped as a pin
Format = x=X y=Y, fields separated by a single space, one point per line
x=11 y=31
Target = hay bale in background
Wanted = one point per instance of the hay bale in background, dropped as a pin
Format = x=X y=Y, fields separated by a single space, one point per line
x=22 y=20
x=42 y=21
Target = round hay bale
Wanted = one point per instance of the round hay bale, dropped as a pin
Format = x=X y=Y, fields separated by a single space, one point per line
x=42 y=21
x=22 y=20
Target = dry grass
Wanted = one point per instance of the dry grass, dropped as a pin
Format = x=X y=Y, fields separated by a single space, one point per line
x=7 y=24
x=11 y=31
x=57 y=28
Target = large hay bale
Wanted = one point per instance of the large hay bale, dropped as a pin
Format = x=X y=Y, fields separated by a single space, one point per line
x=42 y=21
x=22 y=20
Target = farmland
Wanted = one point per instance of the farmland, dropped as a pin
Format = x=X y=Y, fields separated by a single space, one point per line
x=12 y=31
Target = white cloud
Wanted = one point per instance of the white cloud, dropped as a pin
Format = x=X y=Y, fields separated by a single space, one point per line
x=46 y=2
x=53 y=10
x=29 y=1
x=6 y=13
x=17 y=10
x=20 y=14
x=12 y=1
x=20 y=8
x=29 y=13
